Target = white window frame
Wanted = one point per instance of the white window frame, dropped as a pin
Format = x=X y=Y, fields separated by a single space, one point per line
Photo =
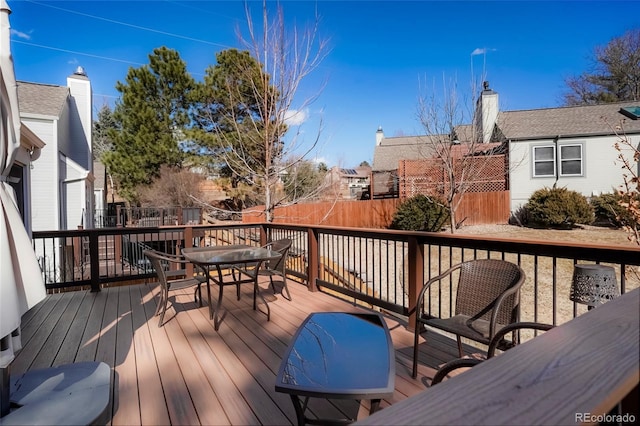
x=534 y=161
x=562 y=160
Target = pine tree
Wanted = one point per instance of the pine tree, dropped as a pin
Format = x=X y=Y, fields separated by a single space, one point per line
x=151 y=118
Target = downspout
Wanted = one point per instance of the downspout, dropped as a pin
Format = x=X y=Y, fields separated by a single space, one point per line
x=557 y=159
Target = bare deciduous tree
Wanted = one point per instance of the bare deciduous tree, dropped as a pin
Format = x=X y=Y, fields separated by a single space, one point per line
x=458 y=155
x=286 y=56
x=174 y=187
x=629 y=191
x=615 y=74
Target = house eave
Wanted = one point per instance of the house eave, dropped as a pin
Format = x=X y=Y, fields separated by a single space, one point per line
x=569 y=136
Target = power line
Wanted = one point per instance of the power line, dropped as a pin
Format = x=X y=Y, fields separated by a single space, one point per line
x=75 y=52
x=131 y=25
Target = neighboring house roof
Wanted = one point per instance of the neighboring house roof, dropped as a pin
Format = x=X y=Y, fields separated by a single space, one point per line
x=42 y=99
x=390 y=151
x=566 y=121
x=548 y=123
x=359 y=172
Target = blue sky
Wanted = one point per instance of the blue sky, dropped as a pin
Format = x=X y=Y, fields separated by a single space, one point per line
x=379 y=51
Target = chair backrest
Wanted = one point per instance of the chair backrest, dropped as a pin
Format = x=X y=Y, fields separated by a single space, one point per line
x=157 y=260
x=281 y=246
x=482 y=282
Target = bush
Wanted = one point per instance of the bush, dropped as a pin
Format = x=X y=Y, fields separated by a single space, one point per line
x=559 y=208
x=608 y=210
x=421 y=213
x=519 y=217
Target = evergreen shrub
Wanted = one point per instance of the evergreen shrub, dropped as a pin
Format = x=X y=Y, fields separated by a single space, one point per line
x=421 y=213
x=559 y=208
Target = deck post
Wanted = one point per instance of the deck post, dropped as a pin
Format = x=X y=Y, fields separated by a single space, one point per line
x=313 y=258
x=94 y=256
x=188 y=243
x=415 y=276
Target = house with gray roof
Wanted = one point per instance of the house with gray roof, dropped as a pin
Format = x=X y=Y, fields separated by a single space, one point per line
x=61 y=180
x=570 y=147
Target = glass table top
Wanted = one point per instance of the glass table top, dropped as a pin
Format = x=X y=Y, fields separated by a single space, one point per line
x=221 y=255
x=339 y=354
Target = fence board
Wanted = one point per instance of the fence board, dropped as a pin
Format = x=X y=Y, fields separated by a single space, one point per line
x=475 y=209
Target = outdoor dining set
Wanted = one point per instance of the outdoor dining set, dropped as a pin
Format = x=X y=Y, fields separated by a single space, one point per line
x=347 y=355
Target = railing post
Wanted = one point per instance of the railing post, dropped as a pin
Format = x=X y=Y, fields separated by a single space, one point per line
x=188 y=243
x=415 y=275
x=313 y=258
x=118 y=216
x=94 y=256
x=264 y=230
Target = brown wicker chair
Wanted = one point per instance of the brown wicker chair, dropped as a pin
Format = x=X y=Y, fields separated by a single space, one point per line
x=487 y=298
x=167 y=279
x=457 y=363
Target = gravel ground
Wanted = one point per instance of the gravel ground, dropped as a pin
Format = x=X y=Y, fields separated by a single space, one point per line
x=585 y=233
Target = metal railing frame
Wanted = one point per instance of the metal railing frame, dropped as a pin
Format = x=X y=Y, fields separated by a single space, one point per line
x=350 y=261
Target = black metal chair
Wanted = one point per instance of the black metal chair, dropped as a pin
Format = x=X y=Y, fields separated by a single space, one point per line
x=167 y=279
x=487 y=298
x=279 y=266
x=273 y=267
x=457 y=363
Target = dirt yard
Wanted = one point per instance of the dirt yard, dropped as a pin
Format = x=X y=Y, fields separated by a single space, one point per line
x=590 y=234
x=545 y=269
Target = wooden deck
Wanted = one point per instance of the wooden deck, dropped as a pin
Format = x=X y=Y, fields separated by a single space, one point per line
x=187 y=373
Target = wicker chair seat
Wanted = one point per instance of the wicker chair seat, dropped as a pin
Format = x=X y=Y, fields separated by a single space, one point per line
x=464 y=326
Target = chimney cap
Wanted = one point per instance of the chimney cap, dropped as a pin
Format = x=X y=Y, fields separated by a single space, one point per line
x=80 y=71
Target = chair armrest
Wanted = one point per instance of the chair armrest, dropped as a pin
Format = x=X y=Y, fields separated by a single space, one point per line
x=428 y=284
x=453 y=365
x=497 y=338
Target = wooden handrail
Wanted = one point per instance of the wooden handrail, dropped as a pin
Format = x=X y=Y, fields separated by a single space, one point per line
x=568 y=375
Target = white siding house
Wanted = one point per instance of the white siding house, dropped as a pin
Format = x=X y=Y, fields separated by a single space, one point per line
x=20 y=175
x=61 y=179
x=570 y=147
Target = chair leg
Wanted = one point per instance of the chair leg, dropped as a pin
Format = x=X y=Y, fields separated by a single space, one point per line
x=164 y=301
x=285 y=288
x=197 y=295
x=460 y=346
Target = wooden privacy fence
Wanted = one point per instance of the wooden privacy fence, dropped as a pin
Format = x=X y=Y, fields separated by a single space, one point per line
x=375 y=214
x=476 y=208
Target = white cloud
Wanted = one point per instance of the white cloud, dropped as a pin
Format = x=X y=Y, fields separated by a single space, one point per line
x=481 y=51
x=294 y=117
x=20 y=34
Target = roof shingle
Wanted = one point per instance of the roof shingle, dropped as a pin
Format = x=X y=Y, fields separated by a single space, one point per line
x=44 y=99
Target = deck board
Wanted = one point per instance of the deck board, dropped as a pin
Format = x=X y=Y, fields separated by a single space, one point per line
x=186 y=372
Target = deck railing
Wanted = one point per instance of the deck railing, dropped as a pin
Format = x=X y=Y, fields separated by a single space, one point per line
x=382 y=268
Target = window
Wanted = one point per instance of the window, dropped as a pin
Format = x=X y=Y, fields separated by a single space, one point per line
x=567 y=161
x=571 y=160
x=544 y=161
